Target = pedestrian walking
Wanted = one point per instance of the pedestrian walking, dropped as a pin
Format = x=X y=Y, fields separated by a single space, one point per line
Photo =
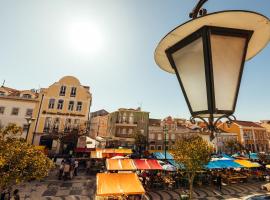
x=16 y=195
x=66 y=170
x=76 y=165
x=219 y=182
x=88 y=164
x=61 y=169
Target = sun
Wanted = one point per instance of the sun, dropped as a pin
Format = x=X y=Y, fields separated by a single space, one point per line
x=85 y=38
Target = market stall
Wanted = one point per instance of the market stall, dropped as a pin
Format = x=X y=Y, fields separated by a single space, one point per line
x=114 y=185
x=147 y=164
x=120 y=164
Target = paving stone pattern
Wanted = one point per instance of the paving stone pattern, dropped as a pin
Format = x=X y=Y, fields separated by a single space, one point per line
x=84 y=187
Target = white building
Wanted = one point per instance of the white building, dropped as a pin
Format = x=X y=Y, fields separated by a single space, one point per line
x=16 y=106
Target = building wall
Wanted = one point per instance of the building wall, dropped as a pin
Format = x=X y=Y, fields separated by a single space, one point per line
x=62 y=118
x=233 y=128
x=124 y=123
x=8 y=102
x=99 y=126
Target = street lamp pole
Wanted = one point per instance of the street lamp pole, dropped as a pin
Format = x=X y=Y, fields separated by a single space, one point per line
x=165 y=129
x=29 y=120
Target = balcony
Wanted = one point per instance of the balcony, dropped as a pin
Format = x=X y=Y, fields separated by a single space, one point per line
x=124 y=135
x=125 y=124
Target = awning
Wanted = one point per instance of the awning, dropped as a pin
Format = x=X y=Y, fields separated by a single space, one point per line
x=96 y=154
x=161 y=155
x=147 y=164
x=123 y=151
x=115 y=184
x=120 y=164
x=222 y=164
x=247 y=163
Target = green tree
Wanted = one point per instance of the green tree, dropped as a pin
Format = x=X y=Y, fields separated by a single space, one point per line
x=20 y=161
x=140 y=141
x=234 y=146
x=193 y=152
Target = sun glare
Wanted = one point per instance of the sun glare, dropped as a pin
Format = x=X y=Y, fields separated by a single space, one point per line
x=85 y=38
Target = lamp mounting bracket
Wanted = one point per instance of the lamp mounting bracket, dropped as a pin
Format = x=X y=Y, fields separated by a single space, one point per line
x=198 y=10
x=211 y=124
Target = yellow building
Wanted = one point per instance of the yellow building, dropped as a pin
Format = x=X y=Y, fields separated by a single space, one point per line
x=62 y=115
x=251 y=135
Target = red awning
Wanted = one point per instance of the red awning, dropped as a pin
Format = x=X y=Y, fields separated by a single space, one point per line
x=141 y=164
x=147 y=164
x=154 y=164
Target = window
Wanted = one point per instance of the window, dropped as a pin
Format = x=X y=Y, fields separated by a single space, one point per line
x=173 y=136
x=56 y=124
x=130 y=131
x=51 y=103
x=71 y=105
x=152 y=147
x=15 y=111
x=2 y=93
x=62 y=91
x=29 y=112
x=73 y=92
x=60 y=104
x=79 y=106
x=47 y=124
x=27 y=96
x=67 y=124
x=159 y=137
x=159 y=147
x=152 y=136
x=124 y=131
x=2 y=110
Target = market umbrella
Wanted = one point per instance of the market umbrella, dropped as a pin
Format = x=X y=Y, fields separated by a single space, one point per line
x=169 y=167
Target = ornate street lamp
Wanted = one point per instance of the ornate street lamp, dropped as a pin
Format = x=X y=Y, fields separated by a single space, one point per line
x=207 y=54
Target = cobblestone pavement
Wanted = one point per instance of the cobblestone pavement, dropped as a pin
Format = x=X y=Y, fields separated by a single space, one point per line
x=233 y=192
x=83 y=188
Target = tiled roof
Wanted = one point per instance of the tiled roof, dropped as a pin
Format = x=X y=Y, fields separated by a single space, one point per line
x=247 y=124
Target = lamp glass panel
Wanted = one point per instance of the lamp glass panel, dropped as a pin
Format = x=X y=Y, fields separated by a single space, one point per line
x=227 y=55
x=189 y=62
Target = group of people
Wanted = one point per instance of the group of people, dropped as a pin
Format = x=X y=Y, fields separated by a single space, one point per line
x=68 y=168
x=7 y=195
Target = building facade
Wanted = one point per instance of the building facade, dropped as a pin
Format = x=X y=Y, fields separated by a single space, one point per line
x=99 y=126
x=16 y=106
x=250 y=134
x=62 y=115
x=171 y=128
x=124 y=123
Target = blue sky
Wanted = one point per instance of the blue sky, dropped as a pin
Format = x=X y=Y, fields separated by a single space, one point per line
x=39 y=46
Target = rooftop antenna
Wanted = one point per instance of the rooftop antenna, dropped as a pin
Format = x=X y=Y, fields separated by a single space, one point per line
x=3 y=83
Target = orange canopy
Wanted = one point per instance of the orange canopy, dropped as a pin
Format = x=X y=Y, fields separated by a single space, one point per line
x=115 y=184
x=120 y=164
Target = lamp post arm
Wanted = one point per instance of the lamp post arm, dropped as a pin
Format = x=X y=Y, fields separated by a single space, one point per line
x=197 y=8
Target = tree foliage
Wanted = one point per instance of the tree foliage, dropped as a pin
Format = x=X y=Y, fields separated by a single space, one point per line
x=234 y=146
x=193 y=152
x=140 y=140
x=20 y=161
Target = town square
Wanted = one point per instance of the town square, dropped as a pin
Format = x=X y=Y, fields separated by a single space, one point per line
x=134 y=100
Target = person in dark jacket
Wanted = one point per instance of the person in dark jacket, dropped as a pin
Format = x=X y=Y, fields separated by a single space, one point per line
x=16 y=194
x=219 y=181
